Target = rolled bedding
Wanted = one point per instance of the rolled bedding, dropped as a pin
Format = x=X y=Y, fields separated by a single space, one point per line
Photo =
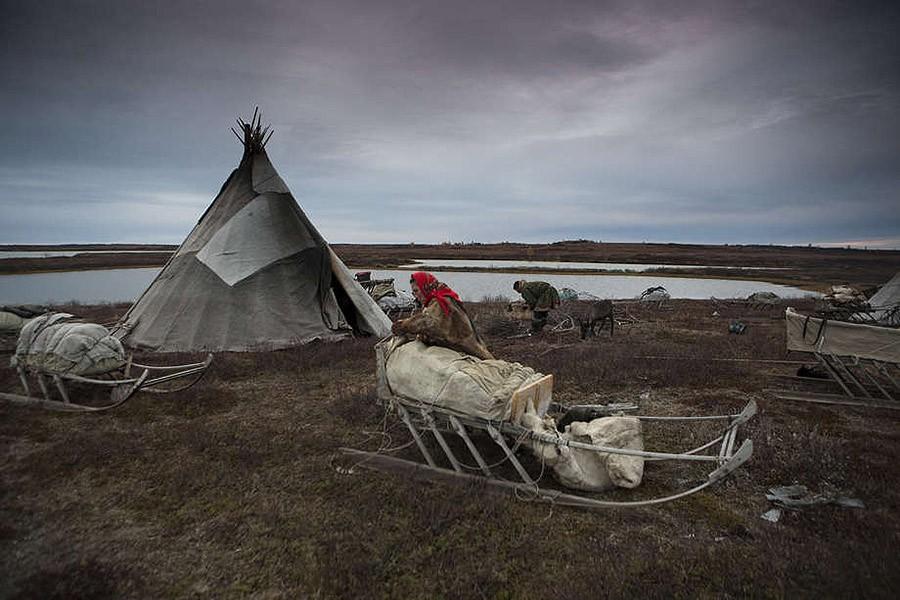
x=58 y=343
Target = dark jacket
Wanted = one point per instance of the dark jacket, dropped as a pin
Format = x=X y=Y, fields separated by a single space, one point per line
x=540 y=295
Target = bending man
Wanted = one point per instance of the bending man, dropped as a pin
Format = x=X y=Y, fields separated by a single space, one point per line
x=541 y=298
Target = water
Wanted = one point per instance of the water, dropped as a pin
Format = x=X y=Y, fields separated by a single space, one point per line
x=475 y=286
x=552 y=265
x=51 y=254
x=86 y=287
x=124 y=285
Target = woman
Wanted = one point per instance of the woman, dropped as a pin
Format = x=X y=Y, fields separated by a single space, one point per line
x=443 y=321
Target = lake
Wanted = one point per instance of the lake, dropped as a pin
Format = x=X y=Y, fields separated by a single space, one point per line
x=437 y=263
x=53 y=254
x=124 y=285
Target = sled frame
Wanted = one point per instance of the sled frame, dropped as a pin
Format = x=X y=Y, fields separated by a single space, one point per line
x=426 y=421
x=862 y=382
x=150 y=378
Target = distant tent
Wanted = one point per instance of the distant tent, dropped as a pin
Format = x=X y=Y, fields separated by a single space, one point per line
x=886 y=303
x=253 y=274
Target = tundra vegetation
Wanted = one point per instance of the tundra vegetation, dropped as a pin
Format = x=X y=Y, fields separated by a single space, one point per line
x=235 y=487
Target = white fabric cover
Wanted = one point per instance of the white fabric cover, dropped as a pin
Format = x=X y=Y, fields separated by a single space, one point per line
x=10 y=323
x=456 y=381
x=886 y=299
x=584 y=469
x=237 y=250
x=53 y=342
x=841 y=338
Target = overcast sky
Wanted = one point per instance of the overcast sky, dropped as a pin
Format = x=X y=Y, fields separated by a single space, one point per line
x=711 y=122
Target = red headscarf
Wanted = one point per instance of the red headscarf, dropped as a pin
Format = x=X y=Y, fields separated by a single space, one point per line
x=432 y=289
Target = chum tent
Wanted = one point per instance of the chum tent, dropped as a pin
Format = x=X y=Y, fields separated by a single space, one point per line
x=885 y=303
x=253 y=274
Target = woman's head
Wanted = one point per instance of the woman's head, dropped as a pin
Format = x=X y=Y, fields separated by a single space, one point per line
x=426 y=287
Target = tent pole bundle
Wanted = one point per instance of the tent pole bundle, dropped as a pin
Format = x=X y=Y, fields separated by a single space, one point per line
x=255 y=137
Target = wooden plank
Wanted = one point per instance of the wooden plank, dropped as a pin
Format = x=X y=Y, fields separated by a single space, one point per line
x=823 y=360
x=833 y=399
x=539 y=393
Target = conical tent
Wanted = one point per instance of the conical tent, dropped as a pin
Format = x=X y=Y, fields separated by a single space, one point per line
x=885 y=302
x=253 y=274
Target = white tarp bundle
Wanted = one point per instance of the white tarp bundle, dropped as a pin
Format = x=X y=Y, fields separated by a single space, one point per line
x=54 y=342
x=764 y=298
x=10 y=322
x=840 y=295
x=453 y=380
x=809 y=334
x=585 y=469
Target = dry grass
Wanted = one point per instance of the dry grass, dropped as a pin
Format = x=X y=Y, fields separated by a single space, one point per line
x=234 y=488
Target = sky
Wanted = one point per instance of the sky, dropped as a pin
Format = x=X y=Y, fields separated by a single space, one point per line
x=432 y=121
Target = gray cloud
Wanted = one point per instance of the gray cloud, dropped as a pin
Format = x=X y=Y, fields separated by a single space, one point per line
x=400 y=121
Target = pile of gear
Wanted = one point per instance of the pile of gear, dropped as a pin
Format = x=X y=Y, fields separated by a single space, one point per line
x=395 y=303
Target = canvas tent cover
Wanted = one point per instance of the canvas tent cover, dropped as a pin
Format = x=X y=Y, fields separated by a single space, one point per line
x=885 y=302
x=54 y=342
x=809 y=334
x=253 y=274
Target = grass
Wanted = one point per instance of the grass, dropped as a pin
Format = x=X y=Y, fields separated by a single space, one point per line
x=234 y=488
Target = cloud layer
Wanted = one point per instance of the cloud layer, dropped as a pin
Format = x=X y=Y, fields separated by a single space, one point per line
x=431 y=121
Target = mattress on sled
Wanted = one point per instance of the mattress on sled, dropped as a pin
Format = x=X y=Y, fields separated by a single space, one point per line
x=486 y=389
x=58 y=343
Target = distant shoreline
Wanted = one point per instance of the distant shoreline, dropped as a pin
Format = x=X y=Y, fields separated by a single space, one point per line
x=812 y=268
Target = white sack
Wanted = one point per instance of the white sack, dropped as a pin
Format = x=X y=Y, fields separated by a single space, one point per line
x=585 y=469
x=456 y=381
x=53 y=342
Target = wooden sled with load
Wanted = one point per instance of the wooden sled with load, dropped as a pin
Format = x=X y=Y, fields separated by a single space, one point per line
x=459 y=409
x=855 y=364
x=56 y=351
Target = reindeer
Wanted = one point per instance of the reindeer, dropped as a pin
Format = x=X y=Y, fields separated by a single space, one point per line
x=595 y=311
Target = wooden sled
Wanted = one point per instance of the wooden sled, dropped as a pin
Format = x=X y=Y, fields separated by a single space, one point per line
x=858 y=381
x=857 y=364
x=425 y=420
x=122 y=385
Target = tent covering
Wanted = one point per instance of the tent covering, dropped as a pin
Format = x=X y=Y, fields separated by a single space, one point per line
x=253 y=274
x=809 y=334
x=885 y=302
